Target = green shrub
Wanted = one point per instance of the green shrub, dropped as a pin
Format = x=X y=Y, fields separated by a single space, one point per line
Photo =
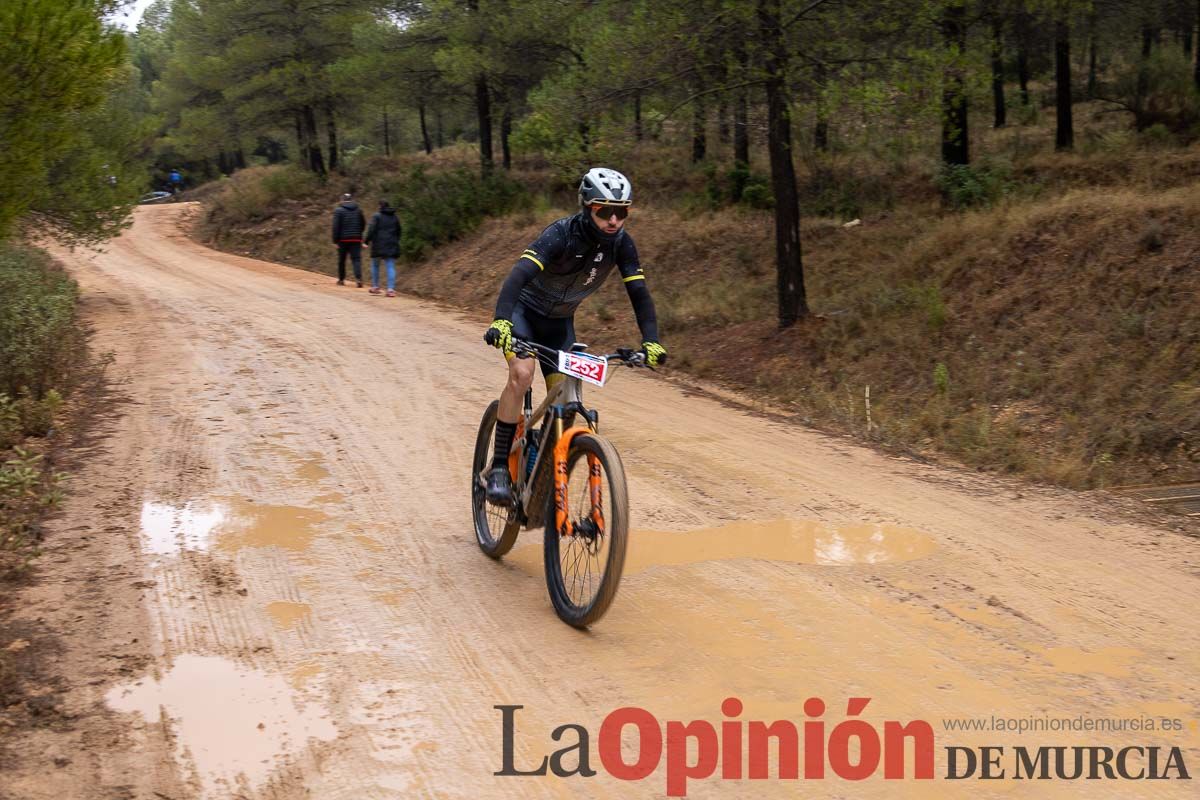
x=254 y=194
x=41 y=351
x=931 y=302
x=1157 y=136
x=756 y=193
x=27 y=491
x=39 y=342
x=738 y=185
x=941 y=379
x=11 y=429
x=965 y=186
x=439 y=207
x=287 y=182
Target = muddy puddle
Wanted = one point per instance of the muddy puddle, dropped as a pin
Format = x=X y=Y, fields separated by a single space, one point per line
x=233 y=726
x=795 y=541
x=286 y=615
x=229 y=525
x=1117 y=662
x=308 y=467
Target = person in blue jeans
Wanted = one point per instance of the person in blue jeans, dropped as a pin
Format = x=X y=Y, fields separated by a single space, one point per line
x=383 y=234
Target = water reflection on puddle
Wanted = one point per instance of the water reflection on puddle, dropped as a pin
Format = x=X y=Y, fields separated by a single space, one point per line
x=167 y=530
x=228 y=721
x=797 y=541
x=233 y=525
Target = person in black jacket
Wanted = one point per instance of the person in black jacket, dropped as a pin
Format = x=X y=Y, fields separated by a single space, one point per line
x=348 y=224
x=383 y=234
x=565 y=265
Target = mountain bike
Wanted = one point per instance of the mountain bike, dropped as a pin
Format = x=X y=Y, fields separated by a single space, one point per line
x=565 y=476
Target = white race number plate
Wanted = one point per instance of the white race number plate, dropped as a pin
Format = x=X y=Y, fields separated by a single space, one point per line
x=588 y=368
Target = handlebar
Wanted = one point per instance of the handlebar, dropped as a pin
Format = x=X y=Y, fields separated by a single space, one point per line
x=624 y=355
x=522 y=348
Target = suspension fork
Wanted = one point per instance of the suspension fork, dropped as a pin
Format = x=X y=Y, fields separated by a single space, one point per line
x=562 y=447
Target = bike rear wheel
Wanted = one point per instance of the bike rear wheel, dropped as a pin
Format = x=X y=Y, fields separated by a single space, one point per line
x=496 y=527
x=583 y=570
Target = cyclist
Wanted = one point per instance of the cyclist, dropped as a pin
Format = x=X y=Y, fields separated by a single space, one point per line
x=537 y=302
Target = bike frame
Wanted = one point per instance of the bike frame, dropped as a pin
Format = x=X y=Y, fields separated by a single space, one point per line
x=562 y=399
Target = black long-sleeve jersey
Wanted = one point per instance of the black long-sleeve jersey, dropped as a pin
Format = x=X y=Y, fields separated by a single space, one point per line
x=568 y=262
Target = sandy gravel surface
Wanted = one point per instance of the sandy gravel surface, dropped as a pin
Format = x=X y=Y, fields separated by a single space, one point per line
x=281 y=505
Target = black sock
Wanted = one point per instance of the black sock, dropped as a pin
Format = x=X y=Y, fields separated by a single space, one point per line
x=504 y=438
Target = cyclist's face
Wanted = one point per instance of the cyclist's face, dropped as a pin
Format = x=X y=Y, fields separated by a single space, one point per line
x=606 y=219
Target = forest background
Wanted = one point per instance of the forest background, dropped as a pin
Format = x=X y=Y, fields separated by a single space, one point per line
x=960 y=229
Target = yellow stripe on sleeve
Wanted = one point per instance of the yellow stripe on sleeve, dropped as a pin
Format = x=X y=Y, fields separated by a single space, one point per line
x=633 y=278
x=531 y=257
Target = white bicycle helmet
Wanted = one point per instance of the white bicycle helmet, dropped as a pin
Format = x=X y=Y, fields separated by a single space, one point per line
x=603 y=185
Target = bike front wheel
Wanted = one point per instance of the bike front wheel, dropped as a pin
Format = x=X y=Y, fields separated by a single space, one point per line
x=584 y=568
x=496 y=527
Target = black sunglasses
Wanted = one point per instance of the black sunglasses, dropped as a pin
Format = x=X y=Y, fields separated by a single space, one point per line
x=606 y=211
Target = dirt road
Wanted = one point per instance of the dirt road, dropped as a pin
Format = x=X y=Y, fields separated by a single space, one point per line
x=289 y=479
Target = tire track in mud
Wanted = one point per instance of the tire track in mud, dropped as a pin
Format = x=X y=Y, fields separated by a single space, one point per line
x=332 y=430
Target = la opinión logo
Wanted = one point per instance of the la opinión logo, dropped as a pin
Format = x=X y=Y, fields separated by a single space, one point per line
x=730 y=745
x=853 y=750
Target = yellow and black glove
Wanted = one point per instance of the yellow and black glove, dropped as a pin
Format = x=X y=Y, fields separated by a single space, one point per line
x=656 y=354
x=500 y=335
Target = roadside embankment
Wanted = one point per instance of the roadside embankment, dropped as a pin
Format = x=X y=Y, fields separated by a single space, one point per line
x=42 y=355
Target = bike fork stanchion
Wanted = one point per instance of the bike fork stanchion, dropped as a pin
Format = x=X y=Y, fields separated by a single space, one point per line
x=596 y=489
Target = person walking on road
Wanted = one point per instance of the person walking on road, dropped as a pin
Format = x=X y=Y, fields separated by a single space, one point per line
x=348 y=224
x=383 y=234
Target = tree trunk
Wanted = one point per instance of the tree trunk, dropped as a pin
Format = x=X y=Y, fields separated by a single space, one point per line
x=439 y=128
x=821 y=128
x=505 y=130
x=424 y=129
x=741 y=113
x=239 y=159
x=331 y=132
x=301 y=144
x=723 y=121
x=1064 y=134
x=387 y=135
x=793 y=304
x=1142 y=88
x=316 y=162
x=955 y=141
x=821 y=135
x=1196 y=75
x=637 y=116
x=999 y=108
x=483 y=107
x=699 y=136
x=1091 y=81
x=741 y=132
x=1023 y=56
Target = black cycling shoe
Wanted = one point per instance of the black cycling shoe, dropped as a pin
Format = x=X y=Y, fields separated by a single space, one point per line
x=499 y=487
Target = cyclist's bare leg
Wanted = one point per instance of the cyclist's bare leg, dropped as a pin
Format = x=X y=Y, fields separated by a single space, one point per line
x=520 y=378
